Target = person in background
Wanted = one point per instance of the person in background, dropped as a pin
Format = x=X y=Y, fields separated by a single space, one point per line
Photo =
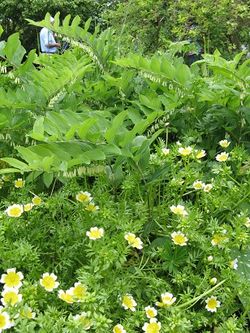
x=48 y=43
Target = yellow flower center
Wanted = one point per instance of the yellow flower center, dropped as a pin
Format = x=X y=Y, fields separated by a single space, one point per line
x=95 y=233
x=48 y=282
x=27 y=207
x=11 y=298
x=79 y=291
x=3 y=321
x=37 y=201
x=128 y=302
x=67 y=297
x=15 y=211
x=212 y=303
x=153 y=328
x=82 y=197
x=151 y=313
x=179 y=239
x=117 y=329
x=12 y=279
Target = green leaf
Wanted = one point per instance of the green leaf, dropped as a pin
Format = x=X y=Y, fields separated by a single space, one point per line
x=16 y=163
x=38 y=129
x=115 y=126
x=48 y=179
x=14 y=51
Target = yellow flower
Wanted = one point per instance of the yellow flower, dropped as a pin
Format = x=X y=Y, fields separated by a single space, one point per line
x=14 y=210
x=224 y=143
x=179 y=238
x=212 y=304
x=222 y=157
x=79 y=291
x=167 y=299
x=84 y=320
x=185 y=151
x=95 y=233
x=153 y=326
x=150 y=312
x=91 y=207
x=218 y=240
x=234 y=264
x=5 y=322
x=179 y=210
x=119 y=329
x=128 y=302
x=10 y=296
x=19 y=183
x=198 y=185
x=200 y=153
x=27 y=313
x=165 y=151
x=83 y=197
x=37 y=201
x=66 y=296
x=133 y=240
x=207 y=187
x=12 y=279
x=48 y=281
x=28 y=207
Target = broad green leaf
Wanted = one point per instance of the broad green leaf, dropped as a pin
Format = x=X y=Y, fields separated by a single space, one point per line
x=16 y=163
x=115 y=126
x=14 y=50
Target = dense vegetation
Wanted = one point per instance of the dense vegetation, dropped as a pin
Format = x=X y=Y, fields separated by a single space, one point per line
x=126 y=180
x=144 y=25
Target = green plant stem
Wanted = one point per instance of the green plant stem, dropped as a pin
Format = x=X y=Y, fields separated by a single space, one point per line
x=196 y=299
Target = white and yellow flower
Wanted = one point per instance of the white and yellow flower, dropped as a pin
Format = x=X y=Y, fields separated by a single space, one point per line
x=28 y=207
x=128 y=302
x=95 y=233
x=219 y=240
x=167 y=299
x=36 y=200
x=84 y=197
x=153 y=326
x=66 y=296
x=79 y=291
x=222 y=157
x=91 y=207
x=234 y=264
x=133 y=240
x=200 y=153
x=12 y=279
x=179 y=238
x=151 y=312
x=165 y=151
x=48 y=281
x=119 y=329
x=207 y=187
x=212 y=304
x=198 y=185
x=179 y=210
x=185 y=151
x=19 y=183
x=10 y=297
x=224 y=143
x=27 y=313
x=5 y=322
x=213 y=281
x=84 y=320
x=14 y=210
